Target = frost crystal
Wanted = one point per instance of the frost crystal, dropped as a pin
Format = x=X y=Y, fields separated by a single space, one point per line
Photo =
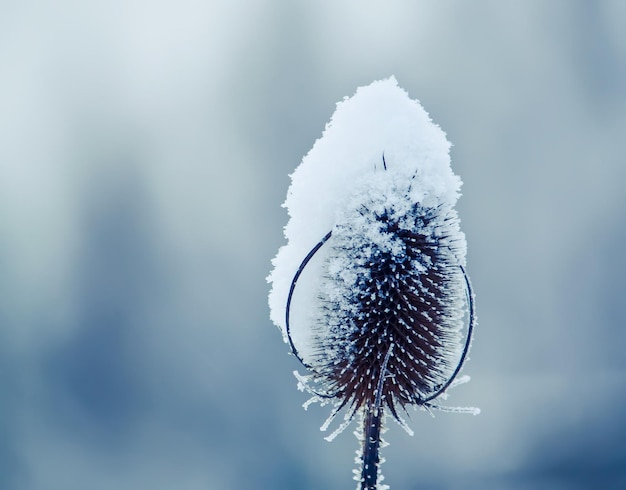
x=376 y=251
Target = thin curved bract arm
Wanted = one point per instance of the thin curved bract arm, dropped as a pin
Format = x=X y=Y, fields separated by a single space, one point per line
x=468 y=340
x=291 y=290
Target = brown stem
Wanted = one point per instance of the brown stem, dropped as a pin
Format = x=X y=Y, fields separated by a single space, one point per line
x=372 y=425
x=371 y=444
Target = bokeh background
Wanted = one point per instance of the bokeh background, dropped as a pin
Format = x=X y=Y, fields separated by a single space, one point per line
x=145 y=148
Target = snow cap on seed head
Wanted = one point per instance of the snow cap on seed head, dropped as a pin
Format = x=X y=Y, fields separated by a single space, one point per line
x=379 y=119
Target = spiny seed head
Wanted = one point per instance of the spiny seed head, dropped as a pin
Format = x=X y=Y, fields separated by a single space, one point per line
x=392 y=278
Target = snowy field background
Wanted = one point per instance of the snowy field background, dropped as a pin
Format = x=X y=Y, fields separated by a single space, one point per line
x=145 y=149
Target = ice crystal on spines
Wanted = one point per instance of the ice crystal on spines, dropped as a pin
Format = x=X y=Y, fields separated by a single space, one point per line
x=392 y=277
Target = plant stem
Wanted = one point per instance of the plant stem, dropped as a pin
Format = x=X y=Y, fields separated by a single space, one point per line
x=372 y=423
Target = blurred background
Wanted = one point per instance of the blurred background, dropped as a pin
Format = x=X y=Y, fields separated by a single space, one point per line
x=145 y=148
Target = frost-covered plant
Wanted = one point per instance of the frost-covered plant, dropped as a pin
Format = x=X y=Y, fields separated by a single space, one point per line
x=370 y=291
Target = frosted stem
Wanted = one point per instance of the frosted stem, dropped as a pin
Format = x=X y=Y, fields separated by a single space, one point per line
x=372 y=424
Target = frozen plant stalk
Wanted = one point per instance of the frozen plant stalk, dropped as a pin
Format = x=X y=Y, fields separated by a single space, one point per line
x=370 y=291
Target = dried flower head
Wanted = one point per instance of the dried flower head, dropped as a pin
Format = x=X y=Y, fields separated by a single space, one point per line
x=386 y=307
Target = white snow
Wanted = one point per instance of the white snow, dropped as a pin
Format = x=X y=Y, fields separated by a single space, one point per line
x=343 y=166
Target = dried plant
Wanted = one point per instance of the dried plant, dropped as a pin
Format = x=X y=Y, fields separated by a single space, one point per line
x=394 y=329
x=389 y=306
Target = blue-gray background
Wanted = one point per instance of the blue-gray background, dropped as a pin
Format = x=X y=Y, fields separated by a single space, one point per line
x=145 y=148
